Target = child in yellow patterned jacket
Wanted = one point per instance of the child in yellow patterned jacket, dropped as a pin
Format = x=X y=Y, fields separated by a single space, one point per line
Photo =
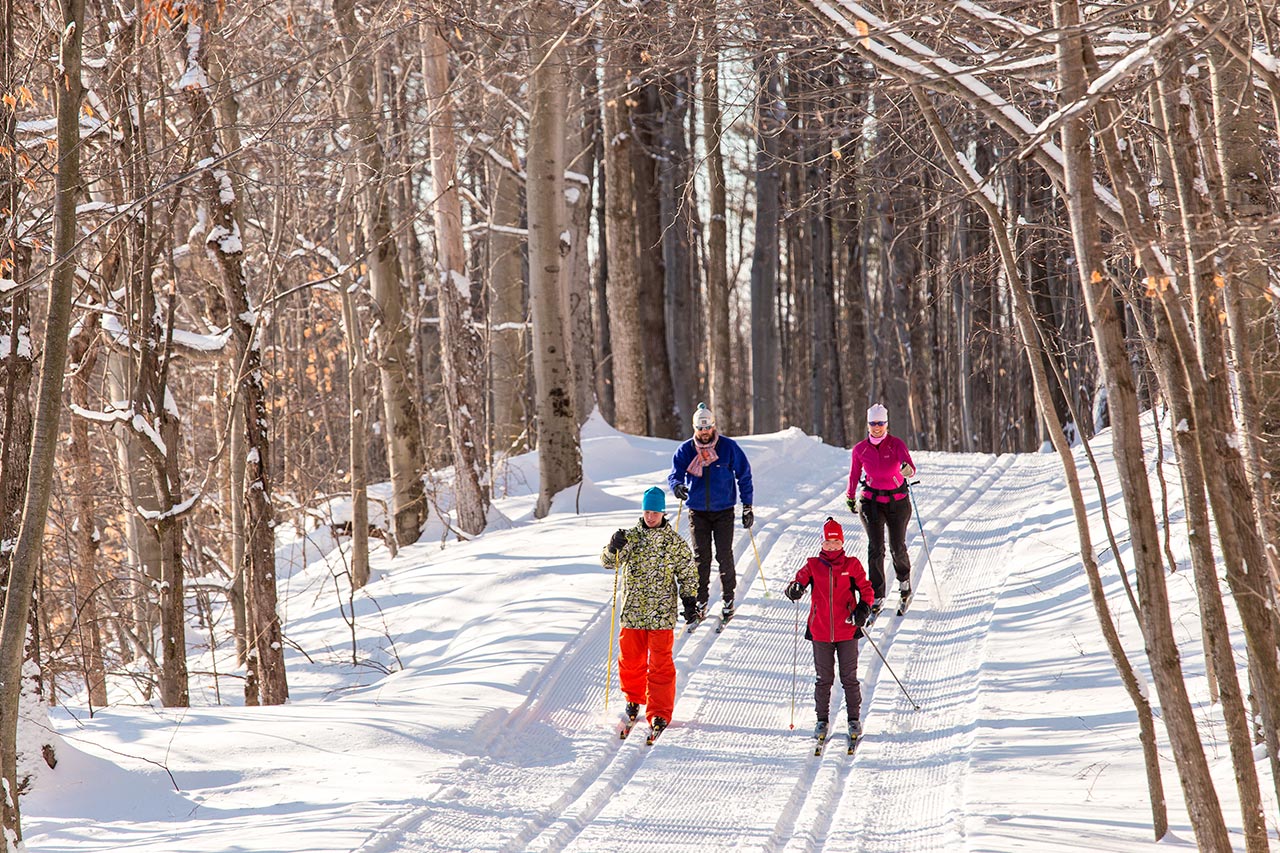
x=656 y=564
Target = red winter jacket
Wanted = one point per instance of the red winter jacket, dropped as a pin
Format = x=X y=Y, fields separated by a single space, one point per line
x=834 y=576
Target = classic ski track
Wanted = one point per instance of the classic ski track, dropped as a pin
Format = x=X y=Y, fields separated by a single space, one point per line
x=562 y=704
x=922 y=757
x=805 y=824
x=746 y=693
x=568 y=821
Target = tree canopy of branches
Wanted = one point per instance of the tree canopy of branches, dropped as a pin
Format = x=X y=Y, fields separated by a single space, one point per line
x=272 y=253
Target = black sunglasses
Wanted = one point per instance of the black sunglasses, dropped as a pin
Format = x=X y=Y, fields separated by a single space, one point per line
x=877 y=423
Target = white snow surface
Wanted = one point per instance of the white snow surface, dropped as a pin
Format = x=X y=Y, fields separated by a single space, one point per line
x=471 y=713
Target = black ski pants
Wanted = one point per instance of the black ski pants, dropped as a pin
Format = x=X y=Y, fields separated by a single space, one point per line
x=824 y=662
x=713 y=528
x=876 y=516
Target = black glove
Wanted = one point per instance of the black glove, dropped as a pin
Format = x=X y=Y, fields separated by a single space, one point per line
x=618 y=542
x=748 y=517
x=860 y=613
x=690 y=610
x=794 y=591
x=852 y=504
x=681 y=491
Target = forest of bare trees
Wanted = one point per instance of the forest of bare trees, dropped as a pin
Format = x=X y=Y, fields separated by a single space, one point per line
x=259 y=256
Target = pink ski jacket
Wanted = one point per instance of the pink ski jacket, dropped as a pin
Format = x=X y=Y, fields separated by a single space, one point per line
x=881 y=465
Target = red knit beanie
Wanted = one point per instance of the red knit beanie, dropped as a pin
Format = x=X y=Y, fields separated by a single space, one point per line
x=832 y=531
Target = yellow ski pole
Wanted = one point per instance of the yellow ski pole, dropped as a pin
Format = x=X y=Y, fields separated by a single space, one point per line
x=763 y=579
x=613 y=610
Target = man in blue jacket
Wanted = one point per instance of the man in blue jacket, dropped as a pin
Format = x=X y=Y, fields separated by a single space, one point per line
x=708 y=472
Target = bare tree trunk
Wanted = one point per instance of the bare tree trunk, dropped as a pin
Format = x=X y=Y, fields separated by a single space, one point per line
x=1032 y=341
x=44 y=441
x=559 y=455
x=676 y=201
x=404 y=450
x=359 y=438
x=507 y=332
x=629 y=388
x=717 y=232
x=225 y=246
x=1193 y=770
x=85 y=532
x=646 y=121
x=826 y=403
x=765 y=412
x=1248 y=245
x=1171 y=114
x=460 y=351
x=580 y=173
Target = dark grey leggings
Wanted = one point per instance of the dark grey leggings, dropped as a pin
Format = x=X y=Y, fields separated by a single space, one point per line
x=824 y=662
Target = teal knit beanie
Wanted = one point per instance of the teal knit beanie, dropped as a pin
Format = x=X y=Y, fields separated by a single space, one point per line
x=655 y=500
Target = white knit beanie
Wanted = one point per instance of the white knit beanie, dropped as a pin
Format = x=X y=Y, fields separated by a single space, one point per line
x=877 y=413
x=703 y=417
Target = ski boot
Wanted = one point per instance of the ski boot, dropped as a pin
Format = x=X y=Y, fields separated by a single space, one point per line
x=656 y=727
x=904 y=596
x=855 y=734
x=820 y=735
x=631 y=714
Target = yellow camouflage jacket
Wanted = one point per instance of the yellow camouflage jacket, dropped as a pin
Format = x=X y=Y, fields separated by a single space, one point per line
x=653 y=563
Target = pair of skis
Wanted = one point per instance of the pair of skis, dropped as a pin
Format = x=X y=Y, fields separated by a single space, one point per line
x=723 y=621
x=628 y=724
x=822 y=739
x=903 y=603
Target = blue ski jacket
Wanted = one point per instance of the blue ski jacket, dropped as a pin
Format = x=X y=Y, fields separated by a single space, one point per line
x=715 y=489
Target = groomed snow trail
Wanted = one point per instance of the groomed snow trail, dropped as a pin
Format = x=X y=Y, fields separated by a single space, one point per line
x=541 y=772
x=731 y=775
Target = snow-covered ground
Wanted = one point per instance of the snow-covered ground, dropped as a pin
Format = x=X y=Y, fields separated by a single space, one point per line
x=458 y=702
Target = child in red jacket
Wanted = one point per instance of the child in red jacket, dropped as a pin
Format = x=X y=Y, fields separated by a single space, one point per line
x=841 y=601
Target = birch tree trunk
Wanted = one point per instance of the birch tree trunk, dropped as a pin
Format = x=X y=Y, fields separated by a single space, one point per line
x=69 y=91
x=400 y=408
x=559 y=454
x=622 y=287
x=460 y=355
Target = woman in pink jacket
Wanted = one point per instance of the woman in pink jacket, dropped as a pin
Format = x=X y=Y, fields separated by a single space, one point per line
x=841 y=601
x=883 y=465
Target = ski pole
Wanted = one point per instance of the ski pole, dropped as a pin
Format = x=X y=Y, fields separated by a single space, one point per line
x=613 y=610
x=763 y=579
x=678 y=512
x=891 y=672
x=927 y=557
x=795 y=657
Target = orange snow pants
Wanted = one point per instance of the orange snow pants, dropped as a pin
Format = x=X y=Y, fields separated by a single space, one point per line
x=647 y=672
